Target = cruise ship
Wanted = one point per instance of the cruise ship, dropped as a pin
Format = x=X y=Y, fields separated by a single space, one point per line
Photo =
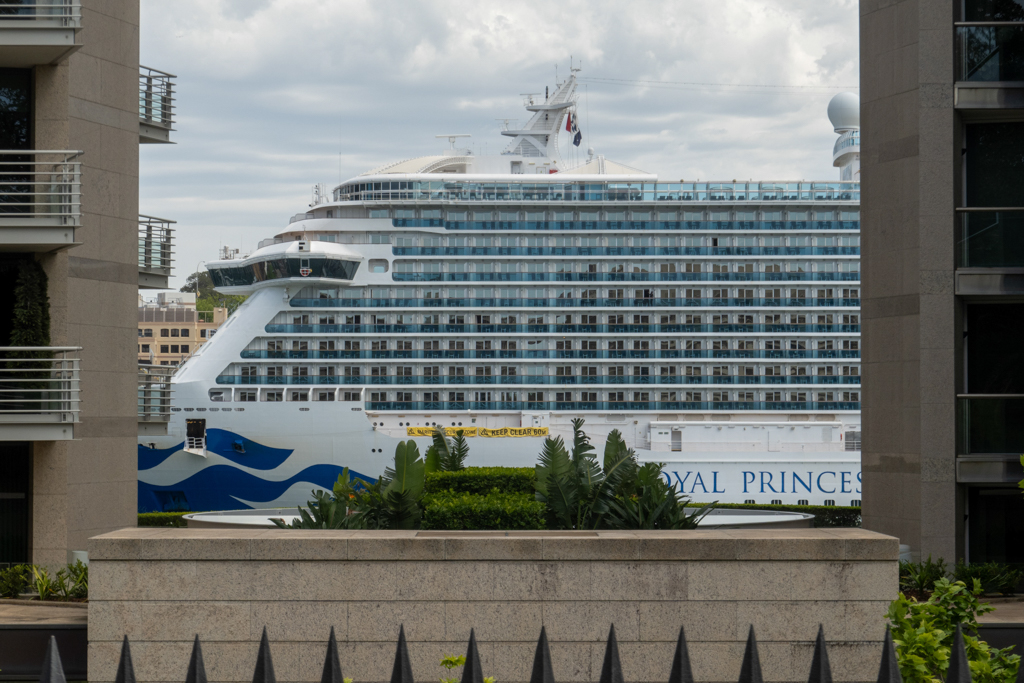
x=714 y=324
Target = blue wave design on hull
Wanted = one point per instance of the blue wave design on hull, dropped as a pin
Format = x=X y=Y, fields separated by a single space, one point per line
x=222 y=442
x=212 y=488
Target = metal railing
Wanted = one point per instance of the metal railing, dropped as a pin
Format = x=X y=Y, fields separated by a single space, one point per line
x=680 y=670
x=154 y=393
x=156 y=97
x=156 y=244
x=43 y=187
x=43 y=14
x=39 y=384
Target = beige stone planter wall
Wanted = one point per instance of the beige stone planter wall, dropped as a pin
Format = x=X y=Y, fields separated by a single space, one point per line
x=163 y=586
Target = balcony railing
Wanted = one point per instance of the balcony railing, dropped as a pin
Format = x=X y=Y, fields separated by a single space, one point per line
x=991 y=238
x=39 y=392
x=154 y=393
x=40 y=199
x=156 y=248
x=156 y=105
x=41 y=32
x=990 y=51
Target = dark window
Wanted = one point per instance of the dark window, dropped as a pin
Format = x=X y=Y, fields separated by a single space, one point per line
x=994 y=10
x=184 y=333
x=164 y=348
x=165 y=333
x=994 y=525
x=995 y=356
x=15 y=108
x=995 y=164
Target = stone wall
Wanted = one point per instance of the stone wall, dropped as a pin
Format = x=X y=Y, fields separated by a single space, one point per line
x=161 y=587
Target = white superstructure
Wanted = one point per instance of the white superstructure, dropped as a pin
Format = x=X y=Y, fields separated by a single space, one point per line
x=715 y=324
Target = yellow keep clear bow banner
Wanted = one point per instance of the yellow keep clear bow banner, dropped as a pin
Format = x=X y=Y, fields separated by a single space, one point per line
x=479 y=431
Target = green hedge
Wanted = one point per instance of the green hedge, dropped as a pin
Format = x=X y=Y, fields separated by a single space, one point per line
x=162 y=518
x=505 y=511
x=482 y=480
x=824 y=516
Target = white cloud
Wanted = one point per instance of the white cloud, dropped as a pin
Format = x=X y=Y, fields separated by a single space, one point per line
x=274 y=95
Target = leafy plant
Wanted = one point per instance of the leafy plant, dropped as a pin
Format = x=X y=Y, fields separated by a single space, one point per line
x=482 y=480
x=447 y=454
x=43 y=583
x=392 y=502
x=650 y=502
x=450 y=662
x=14 y=580
x=923 y=634
x=920 y=577
x=495 y=510
x=576 y=489
x=994 y=577
x=72 y=582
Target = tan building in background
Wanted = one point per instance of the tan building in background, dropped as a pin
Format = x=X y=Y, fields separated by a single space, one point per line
x=171 y=328
x=77 y=105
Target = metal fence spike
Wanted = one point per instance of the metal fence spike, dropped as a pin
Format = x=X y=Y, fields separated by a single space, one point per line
x=264 y=672
x=959 y=670
x=196 y=669
x=472 y=670
x=402 y=671
x=542 y=671
x=821 y=671
x=125 y=668
x=53 y=670
x=889 y=669
x=611 y=670
x=750 y=671
x=681 y=671
x=332 y=663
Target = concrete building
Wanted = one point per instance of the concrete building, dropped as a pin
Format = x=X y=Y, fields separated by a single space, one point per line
x=75 y=105
x=171 y=328
x=942 y=127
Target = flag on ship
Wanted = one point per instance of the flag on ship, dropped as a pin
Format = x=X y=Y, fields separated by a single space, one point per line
x=570 y=126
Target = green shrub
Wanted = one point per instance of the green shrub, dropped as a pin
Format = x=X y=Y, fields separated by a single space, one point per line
x=172 y=519
x=994 y=577
x=72 y=582
x=923 y=634
x=15 y=580
x=495 y=510
x=824 y=515
x=920 y=577
x=482 y=480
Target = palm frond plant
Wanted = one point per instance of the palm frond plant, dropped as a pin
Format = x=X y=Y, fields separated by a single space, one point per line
x=447 y=454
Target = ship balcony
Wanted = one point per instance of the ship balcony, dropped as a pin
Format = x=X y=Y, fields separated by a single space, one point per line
x=39 y=392
x=156 y=106
x=989 y=67
x=40 y=199
x=156 y=248
x=154 y=398
x=37 y=33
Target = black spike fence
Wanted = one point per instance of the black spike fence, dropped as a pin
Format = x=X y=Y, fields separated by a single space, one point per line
x=542 y=671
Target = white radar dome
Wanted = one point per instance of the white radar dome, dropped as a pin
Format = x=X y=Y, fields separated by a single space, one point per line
x=844 y=112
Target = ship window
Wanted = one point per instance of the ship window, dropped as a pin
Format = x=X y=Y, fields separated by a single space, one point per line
x=378 y=266
x=378 y=213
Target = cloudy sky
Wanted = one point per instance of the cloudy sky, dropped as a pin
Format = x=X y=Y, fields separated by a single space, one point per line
x=277 y=95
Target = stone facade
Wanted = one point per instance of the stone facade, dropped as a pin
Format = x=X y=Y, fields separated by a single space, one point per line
x=909 y=164
x=90 y=102
x=161 y=587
